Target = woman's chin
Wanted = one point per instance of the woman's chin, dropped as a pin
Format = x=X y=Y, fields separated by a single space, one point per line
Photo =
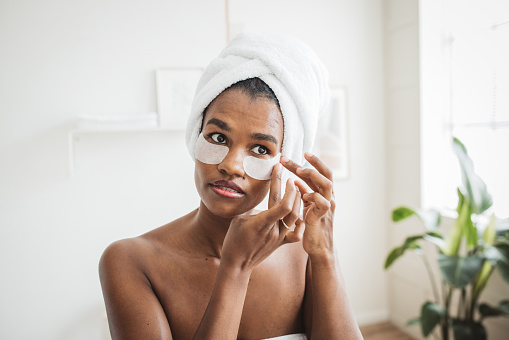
x=227 y=212
x=226 y=209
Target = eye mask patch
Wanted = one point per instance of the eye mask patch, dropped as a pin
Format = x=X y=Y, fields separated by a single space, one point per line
x=260 y=168
x=256 y=168
x=209 y=153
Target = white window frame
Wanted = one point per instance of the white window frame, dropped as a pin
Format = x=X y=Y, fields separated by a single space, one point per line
x=436 y=125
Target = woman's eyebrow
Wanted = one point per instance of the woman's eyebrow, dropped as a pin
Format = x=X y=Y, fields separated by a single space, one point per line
x=263 y=136
x=219 y=123
x=258 y=136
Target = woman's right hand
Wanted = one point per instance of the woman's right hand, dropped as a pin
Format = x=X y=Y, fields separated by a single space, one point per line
x=251 y=239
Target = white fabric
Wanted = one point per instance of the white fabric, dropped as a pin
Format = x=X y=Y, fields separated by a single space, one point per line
x=299 y=336
x=288 y=66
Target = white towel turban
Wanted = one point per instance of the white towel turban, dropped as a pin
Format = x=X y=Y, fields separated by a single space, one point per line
x=288 y=66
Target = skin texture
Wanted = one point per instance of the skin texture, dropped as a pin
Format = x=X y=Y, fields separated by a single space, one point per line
x=225 y=271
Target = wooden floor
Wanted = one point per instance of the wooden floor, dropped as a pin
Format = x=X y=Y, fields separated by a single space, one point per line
x=384 y=331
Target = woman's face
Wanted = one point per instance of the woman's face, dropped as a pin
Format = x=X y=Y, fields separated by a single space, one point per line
x=248 y=127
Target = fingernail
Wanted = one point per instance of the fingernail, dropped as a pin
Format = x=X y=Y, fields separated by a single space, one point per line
x=284 y=159
x=300 y=170
x=308 y=154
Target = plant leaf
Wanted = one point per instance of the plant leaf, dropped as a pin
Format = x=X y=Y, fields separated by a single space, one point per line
x=461 y=199
x=481 y=280
x=399 y=251
x=502 y=225
x=430 y=218
x=411 y=244
x=468 y=331
x=490 y=231
x=453 y=241
x=487 y=310
x=401 y=213
x=504 y=306
x=459 y=271
x=463 y=226
x=435 y=238
x=499 y=256
x=501 y=310
x=469 y=229
x=393 y=256
x=431 y=315
x=413 y=322
x=474 y=187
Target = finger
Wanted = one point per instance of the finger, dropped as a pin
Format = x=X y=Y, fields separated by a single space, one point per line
x=296 y=234
x=321 y=183
x=321 y=205
x=292 y=167
x=289 y=164
x=319 y=165
x=283 y=208
x=275 y=185
x=293 y=216
x=303 y=188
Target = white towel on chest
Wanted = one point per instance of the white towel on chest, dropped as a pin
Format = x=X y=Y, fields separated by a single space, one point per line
x=288 y=66
x=298 y=336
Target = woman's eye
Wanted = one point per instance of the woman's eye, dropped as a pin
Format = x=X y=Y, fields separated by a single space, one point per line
x=260 y=150
x=218 y=138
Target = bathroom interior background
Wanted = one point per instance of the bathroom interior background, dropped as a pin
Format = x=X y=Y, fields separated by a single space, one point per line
x=60 y=59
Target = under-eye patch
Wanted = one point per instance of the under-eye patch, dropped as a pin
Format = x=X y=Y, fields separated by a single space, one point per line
x=209 y=153
x=260 y=168
x=254 y=167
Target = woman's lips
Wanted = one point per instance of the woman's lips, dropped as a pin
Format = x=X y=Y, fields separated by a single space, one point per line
x=227 y=189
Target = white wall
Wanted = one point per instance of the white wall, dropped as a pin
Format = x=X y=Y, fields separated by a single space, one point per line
x=401 y=30
x=60 y=59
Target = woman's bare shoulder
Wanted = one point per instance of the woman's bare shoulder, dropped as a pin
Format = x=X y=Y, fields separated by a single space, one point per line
x=123 y=253
x=136 y=251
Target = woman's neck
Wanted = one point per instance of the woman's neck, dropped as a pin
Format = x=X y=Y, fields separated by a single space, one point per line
x=209 y=231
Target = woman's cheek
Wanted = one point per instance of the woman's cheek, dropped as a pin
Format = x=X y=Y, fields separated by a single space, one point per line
x=261 y=188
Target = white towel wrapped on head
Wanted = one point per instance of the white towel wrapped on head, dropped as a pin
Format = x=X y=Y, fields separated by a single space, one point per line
x=288 y=66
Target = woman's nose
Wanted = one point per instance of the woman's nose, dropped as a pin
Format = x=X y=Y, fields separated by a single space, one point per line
x=233 y=163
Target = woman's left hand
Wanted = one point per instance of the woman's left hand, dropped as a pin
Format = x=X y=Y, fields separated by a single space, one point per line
x=319 y=205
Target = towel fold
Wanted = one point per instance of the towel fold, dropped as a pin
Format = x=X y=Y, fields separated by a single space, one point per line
x=297 y=336
x=288 y=66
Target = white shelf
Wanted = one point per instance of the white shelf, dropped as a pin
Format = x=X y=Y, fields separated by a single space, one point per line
x=78 y=131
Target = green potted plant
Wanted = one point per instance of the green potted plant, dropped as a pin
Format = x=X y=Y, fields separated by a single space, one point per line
x=467 y=257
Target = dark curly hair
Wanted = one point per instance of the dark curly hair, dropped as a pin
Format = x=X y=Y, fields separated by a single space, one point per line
x=256 y=88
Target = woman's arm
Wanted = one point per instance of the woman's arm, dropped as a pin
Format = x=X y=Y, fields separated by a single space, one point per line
x=134 y=312
x=327 y=308
x=328 y=313
x=222 y=316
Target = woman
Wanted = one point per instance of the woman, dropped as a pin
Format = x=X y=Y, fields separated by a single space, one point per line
x=226 y=271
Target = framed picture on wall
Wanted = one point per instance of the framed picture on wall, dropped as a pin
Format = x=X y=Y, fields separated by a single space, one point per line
x=331 y=143
x=175 y=88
